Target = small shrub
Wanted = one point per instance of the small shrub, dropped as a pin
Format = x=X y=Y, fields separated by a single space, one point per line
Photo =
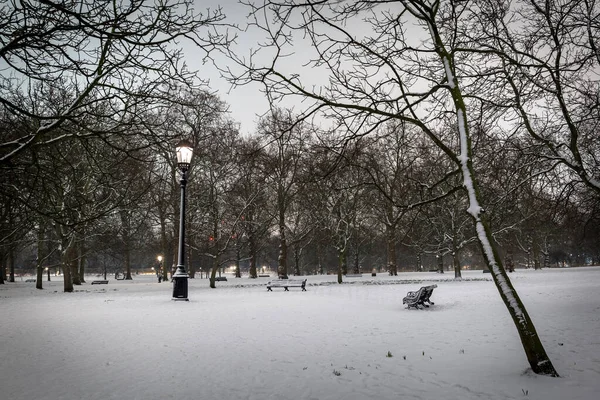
x=525 y=392
x=389 y=354
x=336 y=373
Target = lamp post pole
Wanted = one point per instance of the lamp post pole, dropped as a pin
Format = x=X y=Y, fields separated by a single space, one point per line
x=180 y=278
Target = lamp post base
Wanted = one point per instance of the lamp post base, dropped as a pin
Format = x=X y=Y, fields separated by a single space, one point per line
x=180 y=284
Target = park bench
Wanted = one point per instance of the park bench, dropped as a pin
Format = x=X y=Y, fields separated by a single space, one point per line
x=221 y=279
x=419 y=298
x=99 y=282
x=287 y=283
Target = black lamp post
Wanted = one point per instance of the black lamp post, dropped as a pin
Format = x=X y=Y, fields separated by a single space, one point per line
x=180 y=277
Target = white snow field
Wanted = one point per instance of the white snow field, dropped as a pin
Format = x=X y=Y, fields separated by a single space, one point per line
x=129 y=340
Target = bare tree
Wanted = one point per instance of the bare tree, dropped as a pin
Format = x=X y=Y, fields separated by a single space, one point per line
x=387 y=74
x=121 y=55
x=547 y=55
x=252 y=199
x=285 y=144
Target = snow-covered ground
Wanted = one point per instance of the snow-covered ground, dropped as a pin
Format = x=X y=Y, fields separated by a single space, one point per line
x=129 y=340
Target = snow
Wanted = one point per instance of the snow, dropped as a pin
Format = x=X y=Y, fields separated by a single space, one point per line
x=448 y=70
x=129 y=340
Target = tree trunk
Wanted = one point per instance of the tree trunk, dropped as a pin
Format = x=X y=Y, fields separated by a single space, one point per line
x=391 y=250
x=534 y=350
x=319 y=259
x=252 y=249
x=510 y=265
x=163 y=248
x=41 y=256
x=341 y=264
x=297 y=256
x=67 y=261
x=127 y=259
x=282 y=259
x=356 y=269
x=536 y=254
x=191 y=269
x=2 y=268
x=82 y=257
x=238 y=273
x=213 y=273
x=440 y=260
x=11 y=265
x=456 y=264
x=74 y=261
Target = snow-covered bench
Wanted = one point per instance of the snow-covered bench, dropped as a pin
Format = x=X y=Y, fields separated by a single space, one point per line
x=420 y=297
x=286 y=283
x=99 y=282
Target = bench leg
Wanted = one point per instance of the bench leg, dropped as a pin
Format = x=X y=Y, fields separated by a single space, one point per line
x=303 y=289
x=269 y=289
x=286 y=289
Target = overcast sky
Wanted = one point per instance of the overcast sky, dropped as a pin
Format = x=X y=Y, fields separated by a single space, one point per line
x=245 y=102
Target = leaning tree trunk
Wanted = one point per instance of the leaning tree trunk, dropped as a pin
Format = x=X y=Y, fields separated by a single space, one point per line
x=534 y=350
